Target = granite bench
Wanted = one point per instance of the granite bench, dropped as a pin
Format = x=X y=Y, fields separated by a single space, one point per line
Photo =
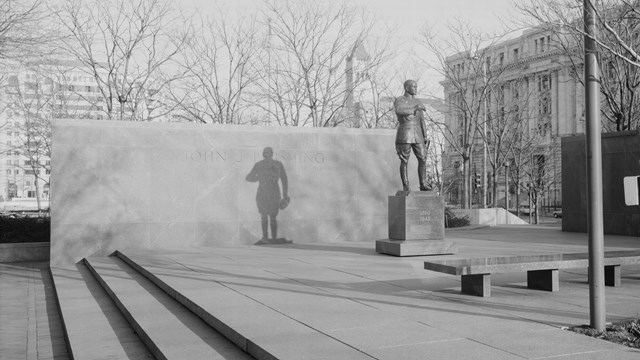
x=542 y=270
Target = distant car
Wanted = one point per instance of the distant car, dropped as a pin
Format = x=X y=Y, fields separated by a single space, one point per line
x=524 y=209
x=557 y=214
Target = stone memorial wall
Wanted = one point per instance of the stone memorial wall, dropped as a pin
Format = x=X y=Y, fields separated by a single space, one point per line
x=119 y=185
x=620 y=158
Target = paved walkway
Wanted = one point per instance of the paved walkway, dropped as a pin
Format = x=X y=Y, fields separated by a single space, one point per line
x=515 y=323
x=29 y=320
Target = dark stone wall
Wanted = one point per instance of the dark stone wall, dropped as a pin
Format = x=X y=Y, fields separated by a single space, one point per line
x=620 y=158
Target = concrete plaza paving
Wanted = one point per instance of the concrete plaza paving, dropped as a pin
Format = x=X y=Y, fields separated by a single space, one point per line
x=382 y=307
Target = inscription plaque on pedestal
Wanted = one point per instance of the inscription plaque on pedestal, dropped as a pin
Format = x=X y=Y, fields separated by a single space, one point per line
x=416 y=226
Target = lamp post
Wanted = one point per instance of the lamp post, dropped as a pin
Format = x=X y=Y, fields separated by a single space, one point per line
x=506 y=184
x=597 y=308
x=484 y=134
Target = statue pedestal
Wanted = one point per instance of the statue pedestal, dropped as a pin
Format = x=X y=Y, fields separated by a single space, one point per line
x=416 y=226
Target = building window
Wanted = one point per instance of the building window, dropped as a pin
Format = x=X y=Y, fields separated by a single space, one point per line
x=544 y=83
x=542 y=44
x=516 y=56
x=544 y=106
x=501 y=59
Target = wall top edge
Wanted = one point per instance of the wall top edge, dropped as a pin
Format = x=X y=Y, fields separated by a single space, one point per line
x=61 y=123
x=582 y=137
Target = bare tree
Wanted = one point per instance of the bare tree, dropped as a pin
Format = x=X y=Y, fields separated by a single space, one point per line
x=536 y=174
x=217 y=62
x=619 y=23
x=304 y=61
x=22 y=28
x=22 y=34
x=507 y=121
x=463 y=59
x=373 y=98
x=31 y=105
x=126 y=48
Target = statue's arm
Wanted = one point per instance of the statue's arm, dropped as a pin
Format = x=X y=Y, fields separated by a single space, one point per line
x=423 y=126
x=253 y=175
x=285 y=181
x=404 y=107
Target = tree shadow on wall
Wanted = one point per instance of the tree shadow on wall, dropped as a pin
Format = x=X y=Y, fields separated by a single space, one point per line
x=270 y=174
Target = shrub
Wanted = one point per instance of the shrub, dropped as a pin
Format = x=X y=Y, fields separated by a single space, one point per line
x=451 y=220
x=21 y=228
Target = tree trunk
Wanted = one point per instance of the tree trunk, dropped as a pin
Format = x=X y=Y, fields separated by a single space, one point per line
x=494 y=187
x=466 y=183
x=36 y=183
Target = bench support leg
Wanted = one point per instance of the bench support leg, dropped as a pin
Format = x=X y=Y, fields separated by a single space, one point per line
x=478 y=285
x=612 y=275
x=543 y=280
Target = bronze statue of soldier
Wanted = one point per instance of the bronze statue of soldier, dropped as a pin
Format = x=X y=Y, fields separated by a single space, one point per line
x=411 y=134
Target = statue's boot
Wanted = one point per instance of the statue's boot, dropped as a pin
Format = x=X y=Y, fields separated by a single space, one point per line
x=404 y=176
x=422 y=175
x=265 y=228
x=274 y=229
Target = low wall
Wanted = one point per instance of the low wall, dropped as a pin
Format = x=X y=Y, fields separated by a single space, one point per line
x=19 y=252
x=149 y=185
x=490 y=217
x=620 y=158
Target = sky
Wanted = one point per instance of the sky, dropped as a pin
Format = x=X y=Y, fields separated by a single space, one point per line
x=487 y=16
x=409 y=14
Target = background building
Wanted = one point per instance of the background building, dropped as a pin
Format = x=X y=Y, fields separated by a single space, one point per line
x=527 y=97
x=31 y=96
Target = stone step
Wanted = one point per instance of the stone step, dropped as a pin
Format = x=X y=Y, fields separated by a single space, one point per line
x=94 y=327
x=260 y=330
x=168 y=329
